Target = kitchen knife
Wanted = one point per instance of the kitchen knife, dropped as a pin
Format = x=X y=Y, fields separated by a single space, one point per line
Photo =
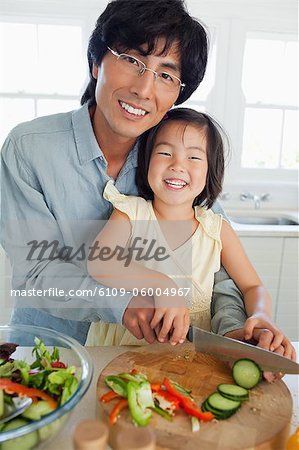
x=230 y=350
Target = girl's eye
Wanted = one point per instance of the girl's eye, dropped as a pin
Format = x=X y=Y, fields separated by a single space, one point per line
x=164 y=153
x=196 y=158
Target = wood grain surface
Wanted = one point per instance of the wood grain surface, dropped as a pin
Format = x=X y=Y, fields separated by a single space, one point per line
x=262 y=423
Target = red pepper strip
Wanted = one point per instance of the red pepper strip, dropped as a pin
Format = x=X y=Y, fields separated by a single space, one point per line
x=155 y=387
x=174 y=401
x=16 y=388
x=58 y=365
x=116 y=410
x=134 y=371
x=109 y=396
x=192 y=409
x=188 y=403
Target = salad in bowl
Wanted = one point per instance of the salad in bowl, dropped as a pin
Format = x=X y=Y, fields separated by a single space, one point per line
x=53 y=373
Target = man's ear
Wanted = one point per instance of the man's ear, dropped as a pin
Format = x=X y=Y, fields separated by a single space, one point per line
x=95 y=70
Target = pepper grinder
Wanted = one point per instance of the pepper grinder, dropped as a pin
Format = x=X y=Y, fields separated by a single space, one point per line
x=91 y=435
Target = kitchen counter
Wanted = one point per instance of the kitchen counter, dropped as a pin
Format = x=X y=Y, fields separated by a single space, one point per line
x=101 y=356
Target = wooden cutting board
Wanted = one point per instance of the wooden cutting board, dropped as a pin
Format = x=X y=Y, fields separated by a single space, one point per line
x=262 y=423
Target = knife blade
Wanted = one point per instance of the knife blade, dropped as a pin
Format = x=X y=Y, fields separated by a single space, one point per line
x=231 y=350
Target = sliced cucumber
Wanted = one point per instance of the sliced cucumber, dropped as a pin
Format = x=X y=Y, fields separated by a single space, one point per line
x=218 y=415
x=37 y=410
x=221 y=404
x=26 y=442
x=246 y=373
x=233 y=392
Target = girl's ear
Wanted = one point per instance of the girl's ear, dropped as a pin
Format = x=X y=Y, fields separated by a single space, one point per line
x=95 y=71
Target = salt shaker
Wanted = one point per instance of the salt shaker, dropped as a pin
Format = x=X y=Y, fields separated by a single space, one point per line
x=91 y=435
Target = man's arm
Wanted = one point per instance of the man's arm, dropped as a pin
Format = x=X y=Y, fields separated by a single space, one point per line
x=227 y=308
x=25 y=217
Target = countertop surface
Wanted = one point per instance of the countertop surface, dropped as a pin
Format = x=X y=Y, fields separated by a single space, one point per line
x=86 y=409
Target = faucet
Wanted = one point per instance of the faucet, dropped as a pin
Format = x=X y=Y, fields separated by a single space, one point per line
x=257 y=199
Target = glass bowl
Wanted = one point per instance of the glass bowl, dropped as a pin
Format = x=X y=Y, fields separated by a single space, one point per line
x=72 y=353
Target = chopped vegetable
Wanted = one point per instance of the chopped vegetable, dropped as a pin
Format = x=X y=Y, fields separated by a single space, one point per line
x=109 y=396
x=48 y=381
x=233 y=392
x=162 y=412
x=133 y=376
x=6 y=350
x=123 y=403
x=187 y=402
x=246 y=373
x=155 y=387
x=166 y=401
x=166 y=398
x=16 y=388
x=195 y=424
x=117 y=385
x=140 y=400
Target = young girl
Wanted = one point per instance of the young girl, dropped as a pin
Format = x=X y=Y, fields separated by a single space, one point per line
x=179 y=176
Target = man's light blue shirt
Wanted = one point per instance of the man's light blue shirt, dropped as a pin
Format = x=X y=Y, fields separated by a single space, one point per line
x=53 y=174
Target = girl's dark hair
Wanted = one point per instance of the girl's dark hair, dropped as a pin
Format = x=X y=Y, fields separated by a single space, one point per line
x=128 y=24
x=215 y=136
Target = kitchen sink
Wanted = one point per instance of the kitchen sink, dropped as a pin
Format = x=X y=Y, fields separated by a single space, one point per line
x=260 y=220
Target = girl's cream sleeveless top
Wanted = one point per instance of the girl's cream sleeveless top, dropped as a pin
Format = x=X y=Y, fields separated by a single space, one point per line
x=192 y=265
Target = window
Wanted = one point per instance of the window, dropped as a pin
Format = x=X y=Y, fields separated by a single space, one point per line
x=200 y=98
x=269 y=82
x=42 y=71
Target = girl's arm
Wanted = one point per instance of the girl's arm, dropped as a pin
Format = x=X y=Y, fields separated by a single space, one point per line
x=240 y=269
x=256 y=298
x=109 y=264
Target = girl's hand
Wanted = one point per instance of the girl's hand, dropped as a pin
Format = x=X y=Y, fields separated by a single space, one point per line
x=264 y=339
x=262 y=320
x=176 y=320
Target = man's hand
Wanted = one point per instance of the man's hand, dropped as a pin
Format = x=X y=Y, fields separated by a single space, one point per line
x=137 y=318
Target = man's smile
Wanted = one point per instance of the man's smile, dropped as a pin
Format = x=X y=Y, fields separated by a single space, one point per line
x=135 y=111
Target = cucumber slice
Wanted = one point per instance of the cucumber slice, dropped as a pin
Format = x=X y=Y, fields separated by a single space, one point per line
x=26 y=442
x=246 y=373
x=37 y=410
x=221 y=404
x=233 y=392
x=218 y=415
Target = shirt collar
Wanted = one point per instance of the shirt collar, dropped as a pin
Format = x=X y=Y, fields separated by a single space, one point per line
x=87 y=146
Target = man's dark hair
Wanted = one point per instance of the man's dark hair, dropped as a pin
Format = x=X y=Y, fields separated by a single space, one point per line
x=215 y=136
x=128 y=24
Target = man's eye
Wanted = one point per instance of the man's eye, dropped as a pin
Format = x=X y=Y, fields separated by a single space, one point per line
x=130 y=60
x=166 y=77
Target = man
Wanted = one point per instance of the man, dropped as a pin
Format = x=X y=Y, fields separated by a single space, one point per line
x=54 y=170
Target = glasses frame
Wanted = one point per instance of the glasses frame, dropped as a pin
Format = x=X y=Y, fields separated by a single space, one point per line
x=144 y=68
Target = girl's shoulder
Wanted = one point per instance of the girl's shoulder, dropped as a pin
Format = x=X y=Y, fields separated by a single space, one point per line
x=128 y=204
x=210 y=222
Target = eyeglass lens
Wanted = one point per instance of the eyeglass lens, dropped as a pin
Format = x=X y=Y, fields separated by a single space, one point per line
x=164 y=79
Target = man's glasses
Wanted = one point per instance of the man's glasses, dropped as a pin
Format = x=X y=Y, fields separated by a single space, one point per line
x=132 y=65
